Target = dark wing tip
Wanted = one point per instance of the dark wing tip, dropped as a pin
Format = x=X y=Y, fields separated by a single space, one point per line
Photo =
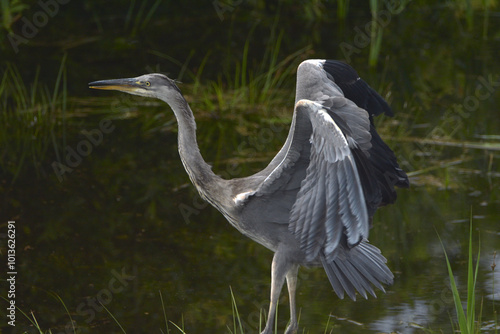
x=356 y=89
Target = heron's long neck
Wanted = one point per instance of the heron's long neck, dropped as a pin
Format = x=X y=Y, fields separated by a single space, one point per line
x=199 y=171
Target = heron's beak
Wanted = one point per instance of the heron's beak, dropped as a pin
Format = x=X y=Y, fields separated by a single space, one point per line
x=129 y=85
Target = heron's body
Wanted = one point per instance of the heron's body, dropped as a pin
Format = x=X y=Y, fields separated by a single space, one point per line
x=313 y=204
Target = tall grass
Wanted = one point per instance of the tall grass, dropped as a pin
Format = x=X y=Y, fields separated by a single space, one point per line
x=466 y=319
x=113 y=317
x=236 y=315
x=376 y=33
x=137 y=19
x=242 y=83
x=469 y=14
x=34 y=322
x=466 y=9
x=11 y=9
x=259 y=84
x=32 y=118
x=342 y=9
x=486 y=17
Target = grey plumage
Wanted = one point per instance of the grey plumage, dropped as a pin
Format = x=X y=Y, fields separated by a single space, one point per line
x=313 y=204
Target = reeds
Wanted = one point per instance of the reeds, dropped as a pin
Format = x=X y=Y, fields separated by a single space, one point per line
x=466 y=319
x=376 y=33
x=137 y=19
x=32 y=119
x=10 y=10
x=342 y=9
x=34 y=322
x=243 y=83
x=467 y=9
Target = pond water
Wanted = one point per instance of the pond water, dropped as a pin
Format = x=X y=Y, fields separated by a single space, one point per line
x=121 y=238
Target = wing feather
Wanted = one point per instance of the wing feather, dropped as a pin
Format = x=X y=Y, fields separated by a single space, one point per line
x=332 y=180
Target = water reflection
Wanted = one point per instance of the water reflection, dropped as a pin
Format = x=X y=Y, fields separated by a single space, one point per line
x=491 y=283
x=405 y=318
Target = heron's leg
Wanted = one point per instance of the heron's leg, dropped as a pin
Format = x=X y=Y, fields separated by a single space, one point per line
x=279 y=270
x=291 y=281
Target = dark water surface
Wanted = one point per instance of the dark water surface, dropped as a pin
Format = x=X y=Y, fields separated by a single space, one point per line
x=125 y=229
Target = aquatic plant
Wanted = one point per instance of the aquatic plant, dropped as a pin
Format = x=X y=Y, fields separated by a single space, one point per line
x=31 y=119
x=466 y=319
x=11 y=10
x=376 y=32
x=137 y=19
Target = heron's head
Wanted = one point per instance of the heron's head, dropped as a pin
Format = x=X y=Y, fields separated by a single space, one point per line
x=149 y=85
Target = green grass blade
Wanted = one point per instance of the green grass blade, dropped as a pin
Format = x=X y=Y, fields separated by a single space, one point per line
x=56 y=296
x=466 y=320
x=179 y=328
x=243 y=81
x=471 y=282
x=199 y=72
x=112 y=316
x=456 y=297
x=58 y=80
x=33 y=322
x=469 y=12
x=470 y=289
x=474 y=287
x=486 y=18
x=184 y=67
x=150 y=13
x=164 y=312
x=235 y=312
x=128 y=17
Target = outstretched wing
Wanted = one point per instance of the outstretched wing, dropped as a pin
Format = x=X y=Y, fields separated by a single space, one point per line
x=317 y=183
x=330 y=176
x=330 y=201
x=319 y=80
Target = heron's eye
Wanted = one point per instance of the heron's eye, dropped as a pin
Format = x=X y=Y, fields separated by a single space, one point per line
x=148 y=83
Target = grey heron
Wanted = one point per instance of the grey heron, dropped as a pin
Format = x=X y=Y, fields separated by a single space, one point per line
x=313 y=204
